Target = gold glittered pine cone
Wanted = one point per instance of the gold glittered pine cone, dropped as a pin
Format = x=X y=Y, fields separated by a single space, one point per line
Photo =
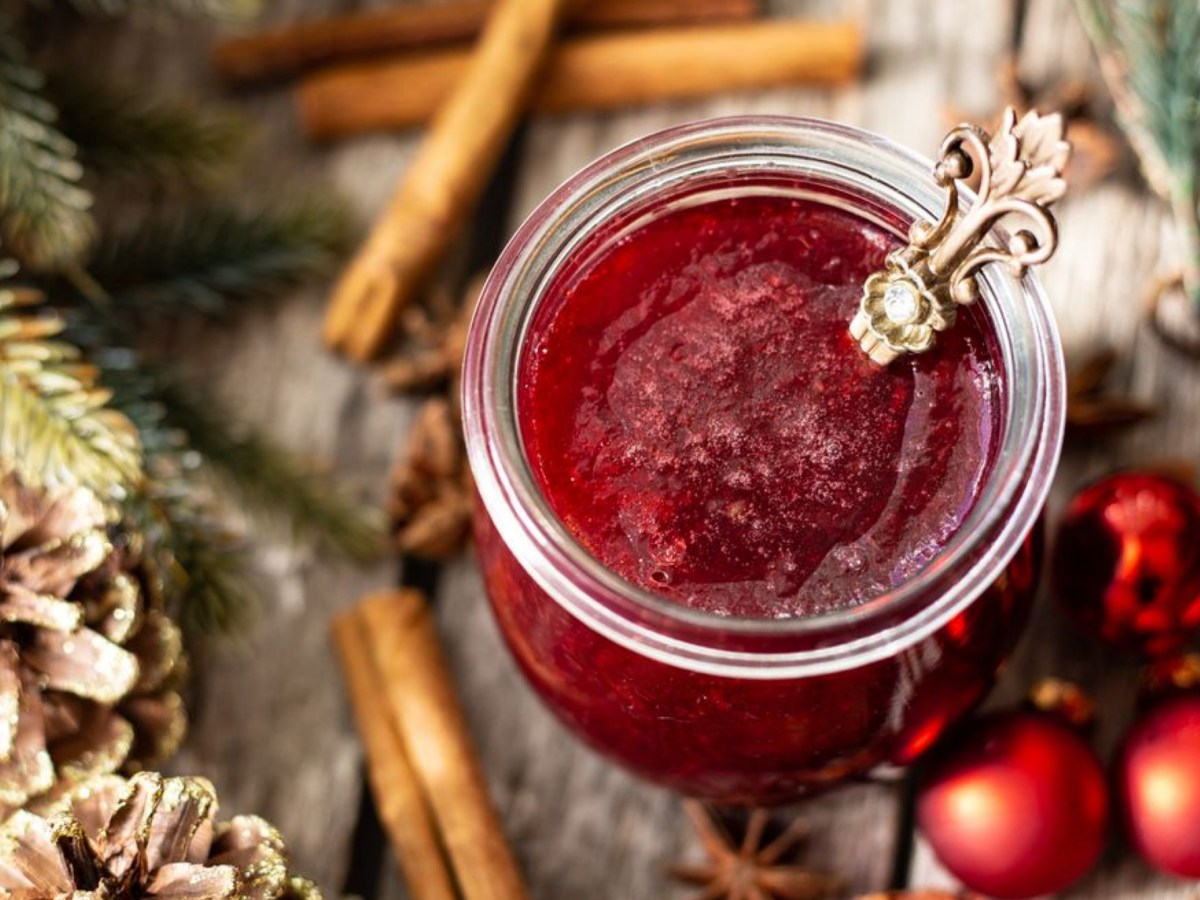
x=89 y=662
x=145 y=837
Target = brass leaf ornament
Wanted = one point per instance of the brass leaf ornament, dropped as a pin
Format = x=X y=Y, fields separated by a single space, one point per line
x=918 y=292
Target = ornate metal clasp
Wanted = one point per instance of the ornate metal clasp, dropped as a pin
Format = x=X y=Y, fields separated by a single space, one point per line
x=919 y=290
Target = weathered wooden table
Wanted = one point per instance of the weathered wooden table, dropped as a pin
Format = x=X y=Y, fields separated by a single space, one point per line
x=271 y=726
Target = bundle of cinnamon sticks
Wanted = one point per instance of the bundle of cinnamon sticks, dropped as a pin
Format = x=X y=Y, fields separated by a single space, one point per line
x=283 y=52
x=470 y=69
x=428 y=786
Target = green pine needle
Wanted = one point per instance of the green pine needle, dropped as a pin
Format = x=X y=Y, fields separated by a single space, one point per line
x=174 y=418
x=1156 y=45
x=1150 y=54
x=54 y=417
x=55 y=422
x=120 y=129
x=208 y=259
x=271 y=479
x=219 y=592
x=45 y=217
x=208 y=581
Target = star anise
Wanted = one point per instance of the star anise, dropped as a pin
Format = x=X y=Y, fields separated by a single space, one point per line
x=430 y=503
x=748 y=869
x=1091 y=409
x=1170 y=676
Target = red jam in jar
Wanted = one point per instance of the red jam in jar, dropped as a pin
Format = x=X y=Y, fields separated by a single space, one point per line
x=697 y=414
x=729 y=551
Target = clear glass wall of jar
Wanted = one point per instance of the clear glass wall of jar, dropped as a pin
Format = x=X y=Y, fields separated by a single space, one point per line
x=749 y=710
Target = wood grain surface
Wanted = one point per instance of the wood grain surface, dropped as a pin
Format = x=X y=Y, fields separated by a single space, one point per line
x=271 y=726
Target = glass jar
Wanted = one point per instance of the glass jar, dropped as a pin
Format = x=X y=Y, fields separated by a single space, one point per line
x=739 y=709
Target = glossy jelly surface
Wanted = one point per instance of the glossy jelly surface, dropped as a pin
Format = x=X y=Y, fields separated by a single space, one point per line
x=696 y=413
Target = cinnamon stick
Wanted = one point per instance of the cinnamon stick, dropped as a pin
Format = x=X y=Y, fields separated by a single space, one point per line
x=593 y=73
x=398 y=797
x=284 y=51
x=417 y=691
x=445 y=179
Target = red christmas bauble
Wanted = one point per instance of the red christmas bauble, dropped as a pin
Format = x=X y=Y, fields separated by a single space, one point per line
x=1127 y=561
x=1158 y=785
x=1015 y=805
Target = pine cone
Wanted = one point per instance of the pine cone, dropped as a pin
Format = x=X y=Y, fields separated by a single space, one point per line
x=88 y=659
x=147 y=836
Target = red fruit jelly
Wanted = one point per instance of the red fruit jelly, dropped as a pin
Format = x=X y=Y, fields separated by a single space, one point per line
x=695 y=413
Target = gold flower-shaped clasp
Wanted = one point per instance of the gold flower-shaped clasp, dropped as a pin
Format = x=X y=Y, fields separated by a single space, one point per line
x=898 y=315
x=915 y=296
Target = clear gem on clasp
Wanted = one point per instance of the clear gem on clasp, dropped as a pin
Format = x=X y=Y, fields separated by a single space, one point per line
x=910 y=300
x=901 y=303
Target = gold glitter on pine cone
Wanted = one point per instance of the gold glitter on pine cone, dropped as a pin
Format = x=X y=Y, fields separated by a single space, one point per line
x=89 y=662
x=144 y=837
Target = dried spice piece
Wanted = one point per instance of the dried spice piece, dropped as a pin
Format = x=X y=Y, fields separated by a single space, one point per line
x=1064 y=699
x=431 y=499
x=432 y=491
x=421 y=370
x=615 y=71
x=1169 y=677
x=441 y=340
x=1172 y=315
x=1093 y=410
x=89 y=662
x=149 y=836
x=1096 y=147
x=293 y=48
x=399 y=798
x=749 y=870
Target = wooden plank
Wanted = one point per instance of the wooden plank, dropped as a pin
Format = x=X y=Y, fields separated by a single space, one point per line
x=276 y=737
x=270 y=725
x=558 y=797
x=1114 y=239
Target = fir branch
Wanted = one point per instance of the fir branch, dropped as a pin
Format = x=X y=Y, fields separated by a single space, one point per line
x=1150 y=56
x=172 y=418
x=270 y=478
x=120 y=129
x=54 y=419
x=45 y=217
x=219 y=10
x=207 y=259
x=219 y=592
x=208 y=581
x=1150 y=52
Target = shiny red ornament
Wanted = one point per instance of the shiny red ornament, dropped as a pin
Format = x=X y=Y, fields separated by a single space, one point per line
x=1015 y=805
x=1158 y=785
x=1127 y=561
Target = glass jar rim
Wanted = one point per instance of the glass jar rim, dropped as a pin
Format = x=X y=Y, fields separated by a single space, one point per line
x=703 y=641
